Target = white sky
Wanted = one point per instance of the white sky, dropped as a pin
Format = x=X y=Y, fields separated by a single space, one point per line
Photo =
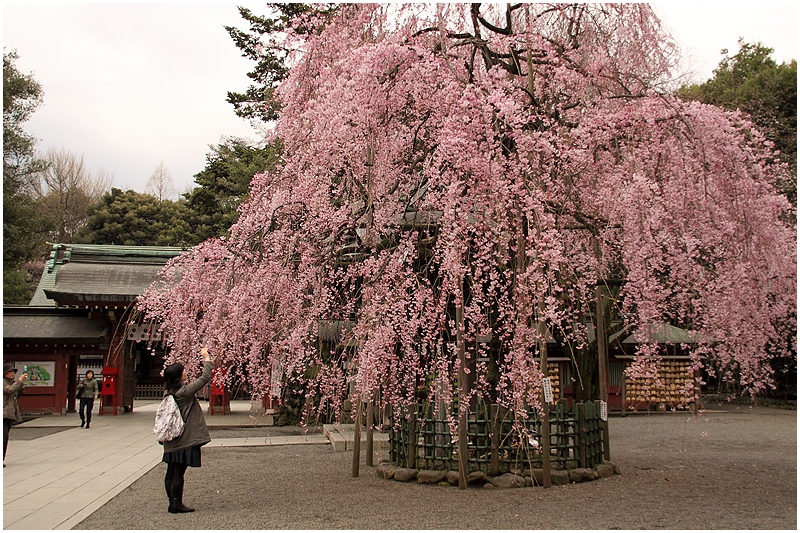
x=132 y=85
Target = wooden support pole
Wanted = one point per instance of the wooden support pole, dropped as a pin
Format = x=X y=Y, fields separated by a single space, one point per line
x=624 y=393
x=370 y=422
x=494 y=454
x=357 y=437
x=463 y=405
x=602 y=345
x=580 y=411
x=412 y=437
x=541 y=331
x=602 y=355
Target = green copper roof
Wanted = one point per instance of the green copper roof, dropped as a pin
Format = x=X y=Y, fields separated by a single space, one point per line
x=85 y=273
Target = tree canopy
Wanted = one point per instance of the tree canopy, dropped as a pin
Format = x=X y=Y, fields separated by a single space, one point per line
x=24 y=229
x=134 y=219
x=753 y=82
x=224 y=182
x=453 y=176
x=262 y=43
x=67 y=189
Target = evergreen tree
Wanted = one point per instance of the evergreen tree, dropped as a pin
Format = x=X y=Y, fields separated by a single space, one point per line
x=223 y=184
x=262 y=43
x=133 y=219
x=24 y=229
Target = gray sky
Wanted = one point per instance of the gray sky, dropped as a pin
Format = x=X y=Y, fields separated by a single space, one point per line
x=132 y=85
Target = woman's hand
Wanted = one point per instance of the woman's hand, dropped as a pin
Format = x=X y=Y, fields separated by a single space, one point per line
x=205 y=354
x=23 y=377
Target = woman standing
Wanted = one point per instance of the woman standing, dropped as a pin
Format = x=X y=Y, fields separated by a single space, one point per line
x=88 y=391
x=184 y=451
x=11 y=391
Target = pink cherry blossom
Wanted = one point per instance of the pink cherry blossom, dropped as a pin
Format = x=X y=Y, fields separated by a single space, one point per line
x=432 y=162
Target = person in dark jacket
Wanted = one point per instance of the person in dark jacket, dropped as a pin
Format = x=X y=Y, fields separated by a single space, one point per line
x=88 y=391
x=184 y=451
x=11 y=390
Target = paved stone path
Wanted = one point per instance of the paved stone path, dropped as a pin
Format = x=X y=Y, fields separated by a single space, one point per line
x=56 y=481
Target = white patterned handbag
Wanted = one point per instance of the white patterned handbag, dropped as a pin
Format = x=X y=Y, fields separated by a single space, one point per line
x=169 y=422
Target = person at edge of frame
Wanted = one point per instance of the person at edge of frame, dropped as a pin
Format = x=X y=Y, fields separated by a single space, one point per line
x=11 y=391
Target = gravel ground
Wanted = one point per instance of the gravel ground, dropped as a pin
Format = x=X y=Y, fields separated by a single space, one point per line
x=729 y=468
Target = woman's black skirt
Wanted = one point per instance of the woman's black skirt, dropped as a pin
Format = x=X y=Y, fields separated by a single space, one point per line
x=186 y=456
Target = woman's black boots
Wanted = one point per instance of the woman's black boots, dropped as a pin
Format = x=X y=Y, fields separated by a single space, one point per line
x=176 y=502
x=173 y=483
x=176 y=506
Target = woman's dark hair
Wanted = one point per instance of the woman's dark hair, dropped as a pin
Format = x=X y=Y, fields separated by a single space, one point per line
x=172 y=377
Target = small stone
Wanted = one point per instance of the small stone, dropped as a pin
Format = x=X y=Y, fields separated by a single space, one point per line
x=613 y=465
x=386 y=471
x=477 y=477
x=538 y=475
x=559 y=477
x=488 y=486
x=579 y=475
x=452 y=477
x=430 y=476
x=405 y=474
x=508 y=481
x=605 y=470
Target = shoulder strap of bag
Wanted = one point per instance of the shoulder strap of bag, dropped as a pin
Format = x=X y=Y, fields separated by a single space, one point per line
x=179 y=407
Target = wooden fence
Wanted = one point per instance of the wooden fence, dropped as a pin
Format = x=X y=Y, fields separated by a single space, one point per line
x=499 y=443
x=149 y=392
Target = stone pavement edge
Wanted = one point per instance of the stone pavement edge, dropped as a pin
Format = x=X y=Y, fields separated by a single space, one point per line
x=56 y=481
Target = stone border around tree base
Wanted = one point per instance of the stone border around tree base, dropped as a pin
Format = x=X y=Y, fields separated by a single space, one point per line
x=511 y=480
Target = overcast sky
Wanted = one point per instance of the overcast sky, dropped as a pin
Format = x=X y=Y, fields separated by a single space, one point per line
x=132 y=85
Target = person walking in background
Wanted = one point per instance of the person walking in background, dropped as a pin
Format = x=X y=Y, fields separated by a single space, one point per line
x=11 y=391
x=184 y=451
x=88 y=391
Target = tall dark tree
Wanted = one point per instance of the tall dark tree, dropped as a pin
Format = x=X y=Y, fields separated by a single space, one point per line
x=224 y=183
x=261 y=43
x=753 y=82
x=24 y=229
x=134 y=219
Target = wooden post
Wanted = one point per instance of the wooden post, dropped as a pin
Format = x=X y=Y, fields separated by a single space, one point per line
x=624 y=393
x=541 y=330
x=370 y=418
x=463 y=405
x=602 y=354
x=596 y=416
x=494 y=457
x=602 y=346
x=412 y=437
x=72 y=382
x=580 y=411
x=357 y=437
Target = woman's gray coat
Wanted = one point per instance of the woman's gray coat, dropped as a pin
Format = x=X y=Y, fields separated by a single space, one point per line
x=195 y=432
x=12 y=388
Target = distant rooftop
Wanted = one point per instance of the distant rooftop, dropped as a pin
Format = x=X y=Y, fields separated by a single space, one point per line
x=84 y=274
x=31 y=324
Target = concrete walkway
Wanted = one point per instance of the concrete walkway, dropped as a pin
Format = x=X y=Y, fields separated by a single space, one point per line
x=56 y=481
